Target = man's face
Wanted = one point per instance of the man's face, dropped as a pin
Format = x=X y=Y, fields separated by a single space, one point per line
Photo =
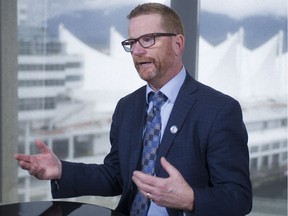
x=155 y=64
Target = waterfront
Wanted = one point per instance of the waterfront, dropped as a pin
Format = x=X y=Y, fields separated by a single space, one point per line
x=270 y=199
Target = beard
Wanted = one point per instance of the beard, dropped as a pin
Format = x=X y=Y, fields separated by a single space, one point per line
x=155 y=70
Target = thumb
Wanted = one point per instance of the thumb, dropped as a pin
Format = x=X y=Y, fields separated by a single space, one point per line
x=42 y=147
x=169 y=168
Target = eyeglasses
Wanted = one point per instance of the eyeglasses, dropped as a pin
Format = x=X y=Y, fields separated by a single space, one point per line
x=145 y=41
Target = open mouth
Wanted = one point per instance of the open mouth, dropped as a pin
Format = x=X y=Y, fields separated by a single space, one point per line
x=145 y=63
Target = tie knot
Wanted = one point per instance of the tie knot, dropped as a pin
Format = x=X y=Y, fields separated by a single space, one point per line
x=157 y=98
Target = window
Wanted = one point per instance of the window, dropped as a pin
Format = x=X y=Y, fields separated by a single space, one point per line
x=253 y=149
x=228 y=48
x=244 y=54
x=63 y=60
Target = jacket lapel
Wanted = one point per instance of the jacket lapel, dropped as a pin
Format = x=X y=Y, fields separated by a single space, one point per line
x=138 y=117
x=182 y=107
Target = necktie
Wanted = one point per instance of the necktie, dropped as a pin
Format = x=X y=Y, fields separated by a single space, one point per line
x=151 y=141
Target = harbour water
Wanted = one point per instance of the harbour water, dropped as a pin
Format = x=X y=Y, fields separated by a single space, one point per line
x=270 y=199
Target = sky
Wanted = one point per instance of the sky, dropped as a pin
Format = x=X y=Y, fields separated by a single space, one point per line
x=236 y=9
x=239 y=9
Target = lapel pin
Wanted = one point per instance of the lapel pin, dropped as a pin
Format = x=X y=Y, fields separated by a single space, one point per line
x=173 y=129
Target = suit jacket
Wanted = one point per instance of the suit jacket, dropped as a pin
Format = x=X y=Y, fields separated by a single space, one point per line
x=209 y=149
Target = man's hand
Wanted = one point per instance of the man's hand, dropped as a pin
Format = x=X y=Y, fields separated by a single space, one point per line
x=44 y=166
x=172 y=192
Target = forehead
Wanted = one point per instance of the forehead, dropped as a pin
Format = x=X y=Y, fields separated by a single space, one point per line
x=144 y=24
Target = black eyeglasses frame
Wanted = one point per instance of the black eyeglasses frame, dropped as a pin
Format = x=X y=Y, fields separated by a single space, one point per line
x=131 y=42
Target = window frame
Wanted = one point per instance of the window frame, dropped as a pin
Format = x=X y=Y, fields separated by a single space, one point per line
x=8 y=100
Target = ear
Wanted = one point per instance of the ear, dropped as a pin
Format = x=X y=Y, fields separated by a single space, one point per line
x=178 y=44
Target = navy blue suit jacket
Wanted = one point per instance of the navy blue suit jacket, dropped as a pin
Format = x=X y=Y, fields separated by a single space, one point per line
x=209 y=149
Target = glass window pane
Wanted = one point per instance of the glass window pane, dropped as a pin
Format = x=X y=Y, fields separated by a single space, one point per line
x=243 y=53
x=72 y=70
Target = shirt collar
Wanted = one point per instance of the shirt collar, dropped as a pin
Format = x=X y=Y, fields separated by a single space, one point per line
x=171 y=88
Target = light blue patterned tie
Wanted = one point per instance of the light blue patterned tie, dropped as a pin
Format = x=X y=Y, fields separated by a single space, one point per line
x=151 y=141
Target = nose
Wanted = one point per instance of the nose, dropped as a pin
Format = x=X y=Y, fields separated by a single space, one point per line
x=137 y=49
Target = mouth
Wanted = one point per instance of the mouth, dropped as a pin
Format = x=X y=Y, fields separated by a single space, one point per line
x=144 y=63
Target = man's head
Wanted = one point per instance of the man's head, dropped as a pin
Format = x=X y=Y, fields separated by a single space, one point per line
x=156 y=43
x=170 y=20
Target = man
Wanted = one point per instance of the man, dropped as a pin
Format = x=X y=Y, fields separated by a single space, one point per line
x=201 y=164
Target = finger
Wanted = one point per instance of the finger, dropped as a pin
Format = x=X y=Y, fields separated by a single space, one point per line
x=149 y=195
x=144 y=181
x=25 y=165
x=147 y=191
x=138 y=178
x=169 y=168
x=143 y=178
x=22 y=157
x=42 y=147
x=139 y=174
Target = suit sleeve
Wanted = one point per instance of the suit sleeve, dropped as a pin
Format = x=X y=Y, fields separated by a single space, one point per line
x=80 y=179
x=227 y=158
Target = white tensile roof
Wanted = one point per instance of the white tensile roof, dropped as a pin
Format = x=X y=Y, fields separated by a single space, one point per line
x=259 y=74
x=106 y=77
x=247 y=75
